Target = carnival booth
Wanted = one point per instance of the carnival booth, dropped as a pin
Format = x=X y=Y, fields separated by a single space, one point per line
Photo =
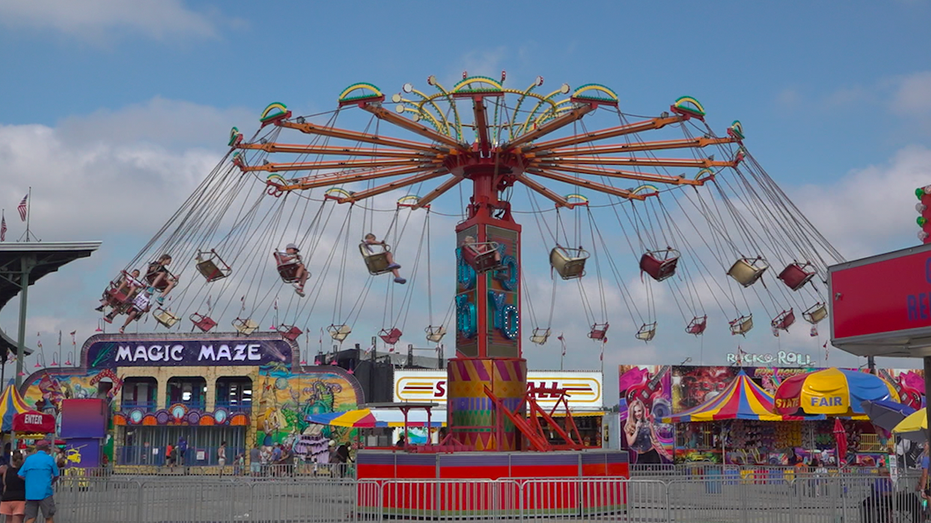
x=21 y=422
x=840 y=394
x=736 y=427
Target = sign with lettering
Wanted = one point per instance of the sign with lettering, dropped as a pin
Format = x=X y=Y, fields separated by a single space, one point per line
x=881 y=306
x=780 y=358
x=34 y=423
x=151 y=353
x=583 y=388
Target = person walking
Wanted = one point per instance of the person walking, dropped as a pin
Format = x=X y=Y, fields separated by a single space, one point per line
x=13 y=505
x=39 y=472
x=221 y=456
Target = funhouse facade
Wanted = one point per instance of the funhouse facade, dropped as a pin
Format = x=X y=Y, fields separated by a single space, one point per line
x=197 y=391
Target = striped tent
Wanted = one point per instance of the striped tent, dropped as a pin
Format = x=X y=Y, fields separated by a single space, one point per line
x=357 y=419
x=367 y=419
x=11 y=404
x=742 y=399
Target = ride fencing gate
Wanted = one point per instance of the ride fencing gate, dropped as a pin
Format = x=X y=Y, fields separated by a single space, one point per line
x=714 y=495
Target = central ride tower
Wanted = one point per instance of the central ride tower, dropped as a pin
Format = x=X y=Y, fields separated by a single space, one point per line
x=488 y=349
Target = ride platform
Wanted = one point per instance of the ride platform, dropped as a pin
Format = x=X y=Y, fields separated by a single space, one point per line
x=425 y=491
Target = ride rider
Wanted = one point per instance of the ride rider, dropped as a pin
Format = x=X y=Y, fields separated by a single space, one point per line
x=128 y=287
x=371 y=241
x=291 y=255
x=158 y=276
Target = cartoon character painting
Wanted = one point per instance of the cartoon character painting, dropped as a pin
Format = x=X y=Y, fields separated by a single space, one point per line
x=286 y=400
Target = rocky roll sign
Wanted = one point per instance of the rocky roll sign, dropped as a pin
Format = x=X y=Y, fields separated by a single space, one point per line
x=108 y=354
x=780 y=358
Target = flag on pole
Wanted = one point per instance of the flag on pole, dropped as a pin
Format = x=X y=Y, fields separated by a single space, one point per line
x=22 y=208
x=3 y=228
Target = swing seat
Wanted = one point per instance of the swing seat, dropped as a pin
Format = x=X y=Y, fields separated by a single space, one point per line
x=815 y=313
x=784 y=320
x=660 y=265
x=204 y=323
x=741 y=325
x=165 y=317
x=287 y=266
x=390 y=336
x=598 y=332
x=376 y=262
x=796 y=275
x=114 y=297
x=540 y=336
x=568 y=262
x=697 y=325
x=481 y=256
x=245 y=326
x=435 y=334
x=152 y=274
x=339 y=332
x=747 y=271
x=647 y=331
x=289 y=332
x=211 y=266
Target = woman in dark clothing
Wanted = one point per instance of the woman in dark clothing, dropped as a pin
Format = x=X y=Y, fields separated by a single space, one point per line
x=13 y=505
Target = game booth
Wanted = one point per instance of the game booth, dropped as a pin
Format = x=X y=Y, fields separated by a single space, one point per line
x=732 y=415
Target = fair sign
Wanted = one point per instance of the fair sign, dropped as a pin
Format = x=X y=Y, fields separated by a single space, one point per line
x=583 y=389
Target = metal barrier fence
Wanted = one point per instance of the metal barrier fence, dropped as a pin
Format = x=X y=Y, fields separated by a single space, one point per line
x=854 y=498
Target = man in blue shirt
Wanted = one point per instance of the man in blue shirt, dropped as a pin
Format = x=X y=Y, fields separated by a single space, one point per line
x=39 y=471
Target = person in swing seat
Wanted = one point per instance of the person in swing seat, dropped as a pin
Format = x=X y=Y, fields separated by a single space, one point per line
x=158 y=276
x=140 y=306
x=291 y=254
x=370 y=242
x=480 y=248
x=129 y=286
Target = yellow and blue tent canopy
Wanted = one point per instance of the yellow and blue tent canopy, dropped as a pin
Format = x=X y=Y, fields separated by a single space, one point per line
x=742 y=399
x=368 y=419
x=11 y=404
x=832 y=392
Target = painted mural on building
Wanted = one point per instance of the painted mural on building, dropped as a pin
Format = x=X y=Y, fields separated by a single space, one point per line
x=285 y=400
x=645 y=398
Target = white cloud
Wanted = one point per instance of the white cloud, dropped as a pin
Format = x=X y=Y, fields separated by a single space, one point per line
x=870 y=210
x=912 y=94
x=90 y=175
x=95 y=19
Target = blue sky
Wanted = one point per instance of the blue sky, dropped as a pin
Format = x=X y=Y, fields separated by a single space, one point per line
x=113 y=110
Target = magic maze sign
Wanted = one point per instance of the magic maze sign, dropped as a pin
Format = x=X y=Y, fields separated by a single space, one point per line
x=187 y=353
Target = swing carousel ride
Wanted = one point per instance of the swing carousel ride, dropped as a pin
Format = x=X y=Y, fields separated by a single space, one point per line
x=295 y=212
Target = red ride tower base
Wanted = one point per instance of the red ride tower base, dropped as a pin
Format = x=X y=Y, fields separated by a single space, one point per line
x=488 y=352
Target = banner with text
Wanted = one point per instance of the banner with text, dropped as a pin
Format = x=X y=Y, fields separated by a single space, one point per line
x=187 y=353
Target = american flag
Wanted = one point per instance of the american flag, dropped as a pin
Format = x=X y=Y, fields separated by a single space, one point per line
x=3 y=229
x=22 y=208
